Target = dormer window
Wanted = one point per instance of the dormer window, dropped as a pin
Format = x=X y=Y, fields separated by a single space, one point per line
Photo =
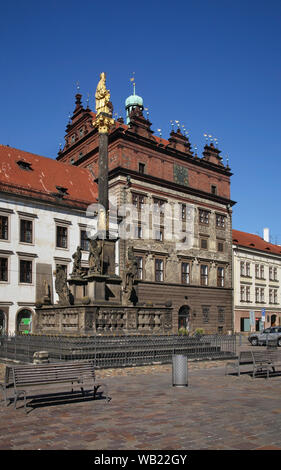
x=62 y=190
x=24 y=165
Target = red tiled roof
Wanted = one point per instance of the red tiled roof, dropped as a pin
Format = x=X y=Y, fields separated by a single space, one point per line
x=250 y=240
x=44 y=177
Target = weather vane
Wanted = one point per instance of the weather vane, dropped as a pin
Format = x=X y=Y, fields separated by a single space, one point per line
x=132 y=79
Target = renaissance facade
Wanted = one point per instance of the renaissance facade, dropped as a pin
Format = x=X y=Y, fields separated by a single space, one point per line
x=145 y=170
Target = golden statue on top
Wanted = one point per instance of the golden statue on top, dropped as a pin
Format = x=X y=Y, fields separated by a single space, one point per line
x=102 y=96
x=103 y=105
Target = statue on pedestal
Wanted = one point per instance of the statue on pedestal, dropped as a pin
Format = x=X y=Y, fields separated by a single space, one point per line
x=130 y=273
x=77 y=271
x=61 y=286
x=95 y=257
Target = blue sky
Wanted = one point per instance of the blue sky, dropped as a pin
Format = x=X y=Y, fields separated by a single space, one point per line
x=214 y=65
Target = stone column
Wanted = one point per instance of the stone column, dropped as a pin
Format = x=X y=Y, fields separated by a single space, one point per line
x=103 y=171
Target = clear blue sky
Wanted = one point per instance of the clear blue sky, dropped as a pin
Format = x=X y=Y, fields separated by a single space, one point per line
x=214 y=65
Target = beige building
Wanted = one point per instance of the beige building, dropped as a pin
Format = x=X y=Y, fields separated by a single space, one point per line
x=257 y=274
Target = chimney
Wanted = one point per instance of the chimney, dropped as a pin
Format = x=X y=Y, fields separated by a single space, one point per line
x=266 y=234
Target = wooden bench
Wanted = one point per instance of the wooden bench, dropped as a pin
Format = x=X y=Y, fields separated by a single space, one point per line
x=244 y=358
x=42 y=376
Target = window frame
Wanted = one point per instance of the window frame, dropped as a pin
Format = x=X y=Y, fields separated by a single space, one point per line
x=26 y=260
x=62 y=226
x=161 y=260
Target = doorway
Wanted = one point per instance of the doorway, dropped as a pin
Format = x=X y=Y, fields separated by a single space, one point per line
x=184 y=317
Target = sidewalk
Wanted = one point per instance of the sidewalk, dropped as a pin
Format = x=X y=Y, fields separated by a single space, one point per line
x=214 y=412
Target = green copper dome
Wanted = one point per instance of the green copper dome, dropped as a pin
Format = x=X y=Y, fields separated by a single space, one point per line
x=134 y=100
x=131 y=102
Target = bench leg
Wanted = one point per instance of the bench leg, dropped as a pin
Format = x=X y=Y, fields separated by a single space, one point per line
x=18 y=394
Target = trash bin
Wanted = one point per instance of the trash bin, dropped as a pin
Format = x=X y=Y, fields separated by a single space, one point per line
x=179 y=370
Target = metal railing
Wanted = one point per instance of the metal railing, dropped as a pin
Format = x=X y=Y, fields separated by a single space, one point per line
x=118 y=351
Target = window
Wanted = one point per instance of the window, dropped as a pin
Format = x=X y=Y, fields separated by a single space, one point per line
x=248 y=270
x=220 y=246
x=81 y=132
x=273 y=296
x=73 y=138
x=84 y=241
x=140 y=267
x=206 y=312
x=221 y=316
x=262 y=271
x=262 y=294
x=159 y=203
x=3 y=269
x=270 y=273
x=138 y=200
x=275 y=274
x=203 y=217
x=204 y=243
x=24 y=165
x=220 y=221
x=213 y=189
x=183 y=211
x=4 y=230
x=159 y=270
x=61 y=237
x=138 y=231
x=159 y=234
x=185 y=273
x=141 y=168
x=257 y=271
x=26 y=227
x=242 y=268
x=248 y=292
x=257 y=294
x=242 y=293
x=25 y=271
x=204 y=275
x=220 y=277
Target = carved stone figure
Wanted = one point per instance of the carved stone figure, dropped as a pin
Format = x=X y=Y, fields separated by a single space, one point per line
x=130 y=273
x=47 y=293
x=77 y=271
x=95 y=257
x=61 y=286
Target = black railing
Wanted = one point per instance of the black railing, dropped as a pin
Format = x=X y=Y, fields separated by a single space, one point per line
x=118 y=351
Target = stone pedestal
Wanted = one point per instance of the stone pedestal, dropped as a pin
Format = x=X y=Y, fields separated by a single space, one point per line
x=78 y=288
x=96 y=287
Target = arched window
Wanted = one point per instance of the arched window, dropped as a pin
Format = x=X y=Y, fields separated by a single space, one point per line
x=24 y=322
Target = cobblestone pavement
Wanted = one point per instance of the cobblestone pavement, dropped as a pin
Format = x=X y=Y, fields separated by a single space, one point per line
x=214 y=412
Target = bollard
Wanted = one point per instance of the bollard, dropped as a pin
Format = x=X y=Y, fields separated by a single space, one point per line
x=179 y=370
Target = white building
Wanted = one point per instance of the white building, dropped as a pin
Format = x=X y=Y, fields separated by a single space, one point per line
x=257 y=274
x=42 y=221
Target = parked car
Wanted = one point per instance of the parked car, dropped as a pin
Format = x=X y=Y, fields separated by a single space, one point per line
x=261 y=338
